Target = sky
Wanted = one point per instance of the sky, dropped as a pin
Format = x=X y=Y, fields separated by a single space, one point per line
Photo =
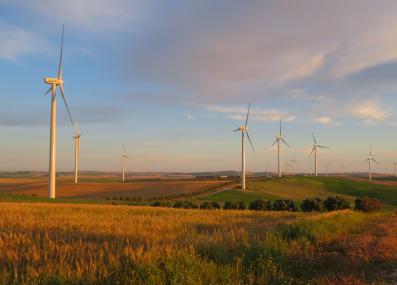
x=172 y=79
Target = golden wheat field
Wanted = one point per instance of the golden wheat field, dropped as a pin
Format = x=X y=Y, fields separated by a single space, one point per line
x=106 y=244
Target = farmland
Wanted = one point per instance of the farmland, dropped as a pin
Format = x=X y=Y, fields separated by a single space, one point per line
x=49 y=243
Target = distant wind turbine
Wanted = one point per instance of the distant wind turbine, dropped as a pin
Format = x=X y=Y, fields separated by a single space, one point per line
x=315 y=147
x=395 y=168
x=76 y=153
x=124 y=156
x=326 y=168
x=369 y=159
x=244 y=130
x=279 y=139
x=55 y=82
x=294 y=161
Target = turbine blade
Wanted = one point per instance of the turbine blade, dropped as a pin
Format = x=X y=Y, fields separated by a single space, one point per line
x=48 y=91
x=312 y=151
x=275 y=141
x=315 y=142
x=285 y=142
x=248 y=113
x=60 y=58
x=365 y=160
x=280 y=128
x=375 y=160
x=249 y=139
x=64 y=100
x=236 y=130
x=322 y=146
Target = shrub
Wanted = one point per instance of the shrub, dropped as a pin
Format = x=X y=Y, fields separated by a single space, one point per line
x=284 y=205
x=185 y=205
x=336 y=203
x=367 y=205
x=216 y=205
x=206 y=205
x=312 y=205
x=241 y=205
x=230 y=206
x=156 y=204
x=260 y=205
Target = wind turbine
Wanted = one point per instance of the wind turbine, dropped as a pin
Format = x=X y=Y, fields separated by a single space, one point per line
x=395 y=168
x=369 y=159
x=294 y=161
x=123 y=157
x=55 y=82
x=315 y=147
x=76 y=153
x=279 y=139
x=244 y=130
x=326 y=168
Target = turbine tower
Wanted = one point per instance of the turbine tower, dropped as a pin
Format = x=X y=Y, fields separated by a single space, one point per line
x=244 y=131
x=315 y=147
x=369 y=159
x=395 y=168
x=279 y=139
x=124 y=156
x=76 y=153
x=55 y=82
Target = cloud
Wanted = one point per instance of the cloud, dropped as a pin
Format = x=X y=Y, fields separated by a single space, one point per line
x=16 y=42
x=91 y=14
x=260 y=115
x=370 y=112
x=326 y=120
x=258 y=48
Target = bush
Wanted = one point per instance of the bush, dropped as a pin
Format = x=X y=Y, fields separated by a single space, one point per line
x=216 y=205
x=367 y=205
x=260 y=205
x=284 y=205
x=230 y=206
x=312 y=205
x=156 y=204
x=336 y=203
x=241 y=205
x=185 y=205
x=207 y=206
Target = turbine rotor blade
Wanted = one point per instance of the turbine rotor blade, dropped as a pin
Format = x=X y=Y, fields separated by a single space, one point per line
x=285 y=142
x=312 y=151
x=277 y=139
x=248 y=113
x=322 y=146
x=64 y=100
x=315 y=142
x=365 y=160
x=375 y=160
x=236 y=130
x=60 y=58
x=48 y=91
x=249 y=139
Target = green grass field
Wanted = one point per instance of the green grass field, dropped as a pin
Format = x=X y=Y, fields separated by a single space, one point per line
x=298 y=188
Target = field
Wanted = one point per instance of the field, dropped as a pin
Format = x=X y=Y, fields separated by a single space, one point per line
x=59 y=243
x=98 y=188
x=101 y=243
x=298 y=188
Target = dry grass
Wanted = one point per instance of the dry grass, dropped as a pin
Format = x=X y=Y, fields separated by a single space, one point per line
x=46 y=243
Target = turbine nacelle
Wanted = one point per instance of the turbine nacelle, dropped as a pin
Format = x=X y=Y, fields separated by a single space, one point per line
x=51 y=80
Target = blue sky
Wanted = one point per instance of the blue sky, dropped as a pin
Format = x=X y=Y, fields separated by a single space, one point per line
x=172 y=79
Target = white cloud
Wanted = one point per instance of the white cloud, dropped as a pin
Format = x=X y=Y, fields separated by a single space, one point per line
x=261 y=115
x=370 y=112
x=326 y=120
x=16 y=42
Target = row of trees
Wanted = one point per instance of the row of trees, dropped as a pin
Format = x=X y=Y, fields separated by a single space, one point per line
x=308 y=205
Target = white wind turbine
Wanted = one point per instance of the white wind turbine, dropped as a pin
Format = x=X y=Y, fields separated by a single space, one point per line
x=315 y=147
x=124 y=156
x=279 y=139
x=76 y=153
x=395 y=168
x=294 y=161
x=326 y=168
x=369 y=159
x=244 y=130
x=55 y=82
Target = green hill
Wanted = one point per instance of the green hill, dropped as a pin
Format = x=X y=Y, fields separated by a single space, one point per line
x=298 y=188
